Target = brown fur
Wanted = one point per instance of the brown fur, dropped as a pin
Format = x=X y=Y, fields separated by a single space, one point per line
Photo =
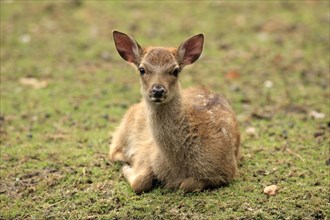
x=189 y=141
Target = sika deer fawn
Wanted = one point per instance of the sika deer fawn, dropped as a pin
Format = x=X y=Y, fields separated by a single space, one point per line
x=186 y=139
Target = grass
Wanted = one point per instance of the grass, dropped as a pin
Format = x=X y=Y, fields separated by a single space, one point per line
x=270 y=59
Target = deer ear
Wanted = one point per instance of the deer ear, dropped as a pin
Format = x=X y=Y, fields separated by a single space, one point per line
x=190 y=50
x=127 y=47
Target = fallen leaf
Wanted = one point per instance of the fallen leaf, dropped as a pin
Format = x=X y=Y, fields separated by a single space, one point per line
x=317 y=115
x=231 y=75
x=251 y=131
x=240 y=20
x=25 y=38
x=271 y=190
x=273 y=26
x=33 y=82
x=263 y=36
x=277 y=59
x=268 y=84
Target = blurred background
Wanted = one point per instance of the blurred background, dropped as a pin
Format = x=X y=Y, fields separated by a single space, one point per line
x=64 y=89
x=250 y=44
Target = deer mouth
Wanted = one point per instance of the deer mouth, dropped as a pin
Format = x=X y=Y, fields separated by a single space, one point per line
x=157 y=100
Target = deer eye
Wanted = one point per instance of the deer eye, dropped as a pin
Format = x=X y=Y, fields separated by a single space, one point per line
x=142 y=71
x=175 y=72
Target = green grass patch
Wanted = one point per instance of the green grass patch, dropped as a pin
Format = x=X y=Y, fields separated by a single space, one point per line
x=270 y=59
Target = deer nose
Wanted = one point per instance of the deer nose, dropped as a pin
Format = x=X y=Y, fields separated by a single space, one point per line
x=158 y=91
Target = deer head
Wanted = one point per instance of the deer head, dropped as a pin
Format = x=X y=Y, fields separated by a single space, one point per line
x=159 y=67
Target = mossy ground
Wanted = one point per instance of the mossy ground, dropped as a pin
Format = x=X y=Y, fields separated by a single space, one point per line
x=269 y=58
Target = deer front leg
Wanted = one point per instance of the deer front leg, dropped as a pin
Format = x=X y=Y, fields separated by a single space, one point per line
x=119 y=147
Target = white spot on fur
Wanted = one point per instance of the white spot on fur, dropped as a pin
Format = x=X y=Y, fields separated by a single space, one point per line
x=224 y=131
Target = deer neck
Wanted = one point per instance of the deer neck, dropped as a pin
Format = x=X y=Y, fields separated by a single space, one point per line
x=165 y=121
